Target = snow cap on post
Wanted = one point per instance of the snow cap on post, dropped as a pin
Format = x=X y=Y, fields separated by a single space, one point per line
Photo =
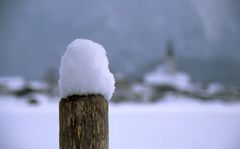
x=84 y=70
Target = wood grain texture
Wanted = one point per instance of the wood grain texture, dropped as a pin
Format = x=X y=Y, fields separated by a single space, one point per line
x=83 y=122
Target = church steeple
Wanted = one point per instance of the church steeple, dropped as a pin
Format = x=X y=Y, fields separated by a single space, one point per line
x=170 y=58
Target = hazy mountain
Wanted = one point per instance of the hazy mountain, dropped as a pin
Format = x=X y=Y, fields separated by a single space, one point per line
x=205 y=34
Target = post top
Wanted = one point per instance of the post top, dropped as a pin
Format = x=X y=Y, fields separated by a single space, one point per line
x=84 y=70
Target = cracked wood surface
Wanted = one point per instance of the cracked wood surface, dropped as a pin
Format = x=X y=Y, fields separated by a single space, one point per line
x=83 y=122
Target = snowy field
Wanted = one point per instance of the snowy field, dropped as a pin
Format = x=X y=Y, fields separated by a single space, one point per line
x=174 y=123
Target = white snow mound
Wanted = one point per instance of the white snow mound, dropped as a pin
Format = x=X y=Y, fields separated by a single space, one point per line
x=84 y=70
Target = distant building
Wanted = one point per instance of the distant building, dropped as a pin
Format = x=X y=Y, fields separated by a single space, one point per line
x=167 y=74
x=170 y=58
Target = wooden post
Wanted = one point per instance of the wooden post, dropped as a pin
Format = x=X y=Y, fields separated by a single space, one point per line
x=84 y=122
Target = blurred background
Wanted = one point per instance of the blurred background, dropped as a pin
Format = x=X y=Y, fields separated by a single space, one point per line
x=176 y=65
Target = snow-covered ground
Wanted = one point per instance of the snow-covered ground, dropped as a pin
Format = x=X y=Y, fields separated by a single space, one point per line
x=174 y=123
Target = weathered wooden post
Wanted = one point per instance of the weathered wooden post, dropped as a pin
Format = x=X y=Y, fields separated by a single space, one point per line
x=85 y=87
x=84 y=122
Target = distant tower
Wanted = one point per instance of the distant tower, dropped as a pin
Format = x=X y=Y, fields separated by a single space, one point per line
x=170 y=58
